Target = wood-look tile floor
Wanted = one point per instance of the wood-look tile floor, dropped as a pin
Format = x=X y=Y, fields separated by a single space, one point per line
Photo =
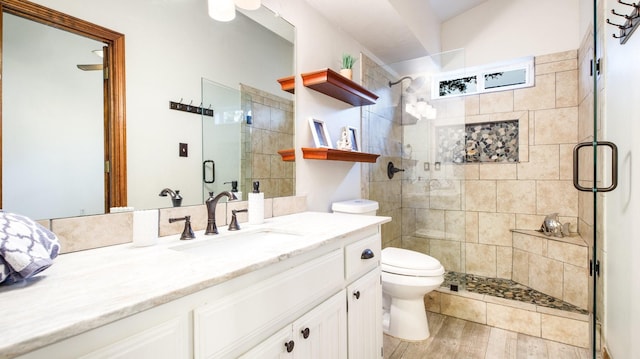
x=461 y=339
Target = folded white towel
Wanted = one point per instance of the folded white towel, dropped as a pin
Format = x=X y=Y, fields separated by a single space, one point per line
x=26 y=247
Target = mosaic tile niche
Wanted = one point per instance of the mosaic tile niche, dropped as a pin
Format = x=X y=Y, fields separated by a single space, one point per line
x=478 y=142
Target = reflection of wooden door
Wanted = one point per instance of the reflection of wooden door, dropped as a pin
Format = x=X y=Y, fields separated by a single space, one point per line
x=112 y=164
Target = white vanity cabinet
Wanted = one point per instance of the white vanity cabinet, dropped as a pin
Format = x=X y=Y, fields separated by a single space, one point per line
x=364 y=297
x=321 y=333
x=324 y=300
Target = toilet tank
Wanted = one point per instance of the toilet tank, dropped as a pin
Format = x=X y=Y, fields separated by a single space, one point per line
x=356 y=206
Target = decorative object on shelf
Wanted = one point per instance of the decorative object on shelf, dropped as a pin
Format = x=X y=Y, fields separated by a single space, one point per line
x=333 y=84
x=552 y=226
x=353 y=137
x=631 y=22
x=179 y=106
x=347 y=66
x=225 y=10
x=344 y=143
x=320 y=133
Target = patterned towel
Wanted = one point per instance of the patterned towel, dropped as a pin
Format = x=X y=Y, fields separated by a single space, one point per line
x=26 y=248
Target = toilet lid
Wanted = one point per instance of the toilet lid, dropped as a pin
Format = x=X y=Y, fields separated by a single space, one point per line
x=406 y=262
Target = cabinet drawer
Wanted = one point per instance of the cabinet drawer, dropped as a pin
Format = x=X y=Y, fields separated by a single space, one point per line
x=362 y=256
x=232 y=324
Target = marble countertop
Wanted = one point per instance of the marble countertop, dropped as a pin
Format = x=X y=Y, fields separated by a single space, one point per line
x=88 y=289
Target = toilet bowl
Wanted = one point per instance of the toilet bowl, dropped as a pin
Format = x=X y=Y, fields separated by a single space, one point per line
x=406 y=277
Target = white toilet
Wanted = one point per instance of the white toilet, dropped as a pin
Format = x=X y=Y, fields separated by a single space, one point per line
x=406 y=277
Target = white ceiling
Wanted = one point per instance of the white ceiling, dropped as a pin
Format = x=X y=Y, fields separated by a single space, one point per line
x=380 y=26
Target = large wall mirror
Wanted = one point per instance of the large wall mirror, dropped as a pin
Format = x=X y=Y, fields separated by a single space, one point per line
x=61 y=155
x=163 y=65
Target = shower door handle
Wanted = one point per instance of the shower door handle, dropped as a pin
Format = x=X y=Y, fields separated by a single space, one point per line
x=204 y=171
x=614 y=167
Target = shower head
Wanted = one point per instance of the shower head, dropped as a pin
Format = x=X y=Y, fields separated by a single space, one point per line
x=415 y=83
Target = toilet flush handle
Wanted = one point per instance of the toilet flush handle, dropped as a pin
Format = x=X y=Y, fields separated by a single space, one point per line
x=367 y=254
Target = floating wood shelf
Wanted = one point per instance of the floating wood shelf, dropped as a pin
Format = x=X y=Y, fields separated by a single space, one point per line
x=339 y=87
x=288 y=155
x=288 y=84
x=337 y=155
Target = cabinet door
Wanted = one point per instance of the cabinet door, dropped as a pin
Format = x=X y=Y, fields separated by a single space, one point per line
x=322 y=332
x=364 y=316
x=277 y=346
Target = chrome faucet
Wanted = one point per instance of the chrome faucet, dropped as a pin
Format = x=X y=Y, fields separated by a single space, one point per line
x=211 y=203
x=176 y=198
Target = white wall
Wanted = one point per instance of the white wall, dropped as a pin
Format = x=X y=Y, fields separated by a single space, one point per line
x=622 y=206
x=499 y=30
x=320 y=45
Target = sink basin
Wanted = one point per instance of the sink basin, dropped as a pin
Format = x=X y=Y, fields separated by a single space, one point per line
x=247 y=242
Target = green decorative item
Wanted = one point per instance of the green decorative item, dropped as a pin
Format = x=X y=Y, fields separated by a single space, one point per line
x=348 y=61
x=347 y=66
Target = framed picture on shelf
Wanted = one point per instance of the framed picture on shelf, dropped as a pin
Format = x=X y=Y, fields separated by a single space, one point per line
x=320 y=133
x=353 y=137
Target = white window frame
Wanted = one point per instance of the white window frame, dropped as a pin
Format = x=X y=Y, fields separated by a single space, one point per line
x=523 y=63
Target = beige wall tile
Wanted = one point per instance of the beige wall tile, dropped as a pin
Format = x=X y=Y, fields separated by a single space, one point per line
x=454 y=222
x=471 y=223
x=481 y=259
x=529 y=221
x=557 y=66
x=531 y=244
x=446 y=194
x=418 y=244
x=430 y=222
x=504 y=262
x=432 y=301
x=543 y=163
x=198 y=218
x=449 y=253
x=500 y=101
x=520 y=266
x=546 y=275
x=567 y=88
x=464 y=308
x=568 y=253
x=480 y=196
x=556 y=56
x=495 y=228
x=498 y=171
x=86 y=232
x=542 y=96
x=557 y=196
x=408 y=221
x=517 y=320
x=568 y=331
x=566 y=161
x=576 y=286
x=289 y=205
x=556 y=126
x=472 y=105
x=516 y=196
x=471 y=171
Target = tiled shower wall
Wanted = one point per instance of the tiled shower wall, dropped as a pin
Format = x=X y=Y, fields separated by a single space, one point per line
x=463 y=214
x=382 y=133
x=272 y=129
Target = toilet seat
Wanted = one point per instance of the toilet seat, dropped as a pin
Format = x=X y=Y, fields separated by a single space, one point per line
x=405 y=262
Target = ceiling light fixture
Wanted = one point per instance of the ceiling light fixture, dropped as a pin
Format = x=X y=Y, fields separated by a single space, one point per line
x=225 y=10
